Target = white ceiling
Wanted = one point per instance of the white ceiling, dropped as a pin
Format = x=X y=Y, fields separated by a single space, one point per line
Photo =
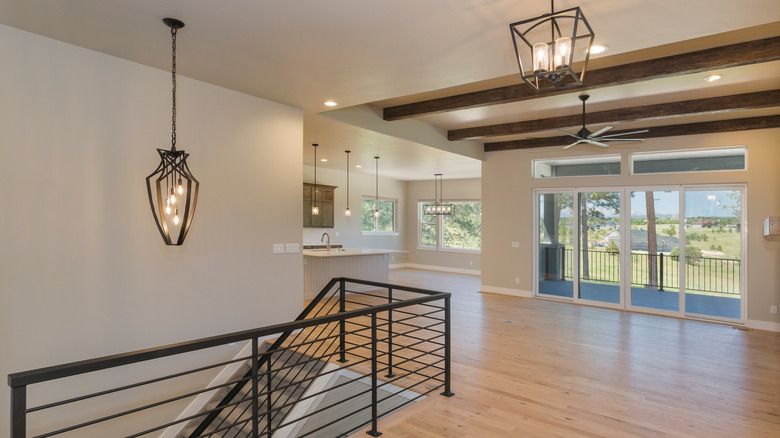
x=303 y=52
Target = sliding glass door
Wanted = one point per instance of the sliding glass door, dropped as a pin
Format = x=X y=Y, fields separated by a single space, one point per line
x=653 y=248
x=599 y=261
x=713 y=253
x=673 y=250
x=555 y=244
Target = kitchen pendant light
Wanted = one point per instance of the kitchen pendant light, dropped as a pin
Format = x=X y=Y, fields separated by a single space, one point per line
x=347 y=212
x=315 y=210
x=438 y=207
x=173 y=206
x=547 y=45
x=376 y=201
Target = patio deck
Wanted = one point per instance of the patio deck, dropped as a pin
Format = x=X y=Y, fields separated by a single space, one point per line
x=718 y=306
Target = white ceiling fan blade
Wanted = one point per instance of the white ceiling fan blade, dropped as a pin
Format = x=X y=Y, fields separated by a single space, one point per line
x=573 y=144
x=569 y=134
x=625 y=133
x=600 y=131
x=596 y=143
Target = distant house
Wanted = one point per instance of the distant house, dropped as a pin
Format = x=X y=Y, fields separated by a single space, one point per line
x=639 y=240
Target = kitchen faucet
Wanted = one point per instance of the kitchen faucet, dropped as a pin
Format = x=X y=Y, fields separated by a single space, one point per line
x=322 y=239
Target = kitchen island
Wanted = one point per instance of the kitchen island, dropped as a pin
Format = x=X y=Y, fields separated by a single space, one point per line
x=321 y=265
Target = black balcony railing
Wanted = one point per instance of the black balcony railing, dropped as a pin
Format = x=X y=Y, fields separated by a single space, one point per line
x=702 y=274
x=378 y=339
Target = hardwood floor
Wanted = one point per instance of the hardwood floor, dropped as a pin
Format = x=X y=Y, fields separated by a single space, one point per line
x=535 y=368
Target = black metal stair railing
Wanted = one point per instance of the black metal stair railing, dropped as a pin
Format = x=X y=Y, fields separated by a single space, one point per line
x=379 y=347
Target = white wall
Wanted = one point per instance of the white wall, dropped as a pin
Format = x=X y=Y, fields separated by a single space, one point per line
x=83 y=269
x=507 y=206
x=348 y=228
x=454 y=190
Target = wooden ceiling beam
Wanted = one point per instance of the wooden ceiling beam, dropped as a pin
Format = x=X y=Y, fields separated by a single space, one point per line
x=711 y=105
x=752 y=52
x=731 y=125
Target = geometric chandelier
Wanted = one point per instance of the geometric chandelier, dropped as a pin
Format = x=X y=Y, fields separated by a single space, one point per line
x=175 y=193
x=547 y=45
x=438 y=207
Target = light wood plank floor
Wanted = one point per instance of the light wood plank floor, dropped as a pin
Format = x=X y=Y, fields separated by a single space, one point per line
x=535 y=368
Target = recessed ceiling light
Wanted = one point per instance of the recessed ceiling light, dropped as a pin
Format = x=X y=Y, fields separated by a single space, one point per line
x=713 y=78
x=330 y=103
x=358 y=166
x=598 y=48
x=323 y=159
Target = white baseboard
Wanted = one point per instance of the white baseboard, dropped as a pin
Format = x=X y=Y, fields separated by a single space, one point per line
x=763 y=325
x=506 y=291
x=476 y=272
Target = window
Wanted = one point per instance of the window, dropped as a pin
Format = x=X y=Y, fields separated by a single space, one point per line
x=427 y=238
x=386 y=220
x=601 y=165
x=461 y=231
x=699 y=160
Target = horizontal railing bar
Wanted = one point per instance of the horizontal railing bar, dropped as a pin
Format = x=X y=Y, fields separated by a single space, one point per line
x=134 y=385
x=106 y=362
x=416 y=315
x=395 y=287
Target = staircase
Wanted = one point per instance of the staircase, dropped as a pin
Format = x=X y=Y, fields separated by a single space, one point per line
x=290 y=379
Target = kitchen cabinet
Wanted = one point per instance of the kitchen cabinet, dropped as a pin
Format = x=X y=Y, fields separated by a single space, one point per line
x=324 y=197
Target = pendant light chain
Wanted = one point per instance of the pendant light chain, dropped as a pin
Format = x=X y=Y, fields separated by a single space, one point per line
x=173 y=88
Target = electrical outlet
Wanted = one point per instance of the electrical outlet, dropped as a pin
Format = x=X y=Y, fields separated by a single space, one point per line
x=515 y=244
x=517 y=280
x=291 y=247
x=471 y=263
x=772 y=309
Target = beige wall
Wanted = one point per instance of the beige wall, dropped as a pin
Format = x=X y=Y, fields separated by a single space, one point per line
x=83 y=269
x=454 y=190
x=348 y=228
x=507 y=192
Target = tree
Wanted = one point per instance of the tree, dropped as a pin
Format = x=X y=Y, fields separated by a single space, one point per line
x=594 y=207
x=612 y=247
x=671 y=231
x=652 y=242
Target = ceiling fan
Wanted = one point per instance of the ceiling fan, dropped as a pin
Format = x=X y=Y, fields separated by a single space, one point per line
x=597 y=138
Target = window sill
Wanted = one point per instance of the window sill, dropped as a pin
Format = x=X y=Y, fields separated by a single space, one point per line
x=426 y=248
x=461 y=250
x=379 y=233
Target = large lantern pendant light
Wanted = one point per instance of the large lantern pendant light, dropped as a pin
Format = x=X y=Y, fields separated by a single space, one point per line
x=347 y=212
x=376 y=201
x=315 y=209
x=176 y=190
x=439 y=207
x=545 y=48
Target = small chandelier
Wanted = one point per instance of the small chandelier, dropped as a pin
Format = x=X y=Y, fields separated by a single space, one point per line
x=438 y=207
x=176 y=189
x=547 y=45
x=347 y=212
x=315 y=209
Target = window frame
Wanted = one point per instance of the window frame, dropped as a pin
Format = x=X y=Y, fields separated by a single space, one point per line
x=632 y=159
x=375 y=231
x=439 y=229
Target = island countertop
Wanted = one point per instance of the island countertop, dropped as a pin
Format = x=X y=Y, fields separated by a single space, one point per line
x=340 y=252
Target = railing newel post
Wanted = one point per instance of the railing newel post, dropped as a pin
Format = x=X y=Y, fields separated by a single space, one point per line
x=447 y=351
x=390 y=335
x=255 y=407
x=342 y=323
x=18 y=412
x=374 y=414
x=268 y=388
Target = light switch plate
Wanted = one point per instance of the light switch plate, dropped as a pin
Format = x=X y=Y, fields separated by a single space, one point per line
x=278 y=248
x=515 y=244
x=292 y=247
